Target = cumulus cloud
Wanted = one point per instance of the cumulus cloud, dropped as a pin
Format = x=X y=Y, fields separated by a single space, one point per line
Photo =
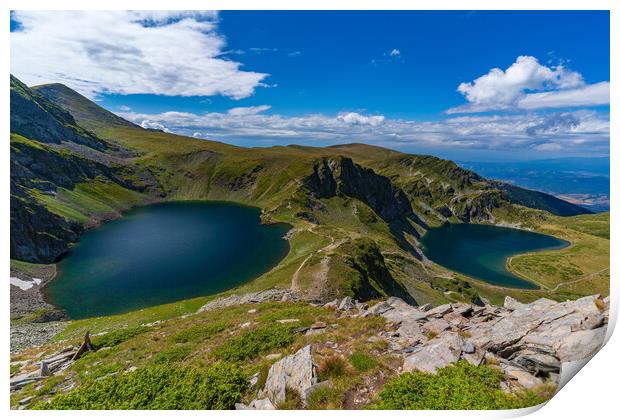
x=128 y=52
x=154 y=125
x=354 y=118
x=578 y=131
x=527 y=84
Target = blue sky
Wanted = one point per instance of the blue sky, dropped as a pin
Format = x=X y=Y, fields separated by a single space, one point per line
x=462 y=85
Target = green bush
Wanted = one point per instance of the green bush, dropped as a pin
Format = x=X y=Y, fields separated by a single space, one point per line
x=458 y=387
x=255 y=342
x=158 y=387
x=115 y=337
x=362 y=362
x=199 y=332
x=173 y=354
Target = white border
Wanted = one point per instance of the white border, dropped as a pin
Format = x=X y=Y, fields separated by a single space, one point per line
x=592 y=394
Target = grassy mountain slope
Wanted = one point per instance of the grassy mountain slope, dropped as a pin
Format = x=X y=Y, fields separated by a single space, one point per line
x=333 y=197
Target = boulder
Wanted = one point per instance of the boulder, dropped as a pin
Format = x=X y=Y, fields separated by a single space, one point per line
x=409 y=333
x=523 y=378
x=511 y=303
x=295 y=372
x=437 y=353
x=536 y=362
x=580 y=344
x=436 y=326
x=468 y=347
x=377 y=309
x=331 y=305
x=439 y=311
x=258 y=404
x=346 y=304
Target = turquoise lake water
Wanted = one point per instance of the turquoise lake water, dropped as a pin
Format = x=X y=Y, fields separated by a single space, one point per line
x=481 y=251
x=163 y=253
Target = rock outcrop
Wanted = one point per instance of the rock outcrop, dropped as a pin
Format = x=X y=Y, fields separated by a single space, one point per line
x=269 y=295
x=295 y=372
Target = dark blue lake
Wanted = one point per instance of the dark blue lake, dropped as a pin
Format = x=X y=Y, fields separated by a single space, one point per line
x=481 y=251
x=163 y=253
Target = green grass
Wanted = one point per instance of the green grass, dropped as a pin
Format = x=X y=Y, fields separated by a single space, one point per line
x=200 y=332
x=163 y=387
x=362 y=361
x=115 y=337
x=254 y=342
x=77 y=328
x=458 y=387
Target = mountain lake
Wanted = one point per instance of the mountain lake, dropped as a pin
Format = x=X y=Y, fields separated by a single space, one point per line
x=481 y=251
x=164 y=253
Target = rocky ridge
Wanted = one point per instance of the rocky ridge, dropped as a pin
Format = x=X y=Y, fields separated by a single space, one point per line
x=528 y=342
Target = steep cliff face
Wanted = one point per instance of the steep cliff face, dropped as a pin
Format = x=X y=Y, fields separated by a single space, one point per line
x=38 y=235
x=341 y=176
x=36 y=117
x=49 y=152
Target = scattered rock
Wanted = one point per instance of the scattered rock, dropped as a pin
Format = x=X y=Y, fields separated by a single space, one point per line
x=524 y=378
x=331 y=305
x=377 y=309
x=346 y=304
x=468 y=347
x=287 y=321
x=295 y=372
x=511 y=303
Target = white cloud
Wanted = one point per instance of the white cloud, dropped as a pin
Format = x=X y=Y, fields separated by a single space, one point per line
x=595 y=94
x=578 y=131
x=527 y=84
x=249 y=110
x=395 y=52
x=354 y=118
x=124 y=108
x=154 y=125
x=126 y=52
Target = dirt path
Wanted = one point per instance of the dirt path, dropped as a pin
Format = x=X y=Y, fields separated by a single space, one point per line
x=322 y=275
x=584 y=277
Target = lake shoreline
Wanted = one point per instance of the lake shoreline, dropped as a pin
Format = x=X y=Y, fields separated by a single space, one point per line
x=230 y=246
x=483 y=251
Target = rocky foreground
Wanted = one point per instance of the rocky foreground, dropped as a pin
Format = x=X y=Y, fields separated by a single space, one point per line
x=528 y=342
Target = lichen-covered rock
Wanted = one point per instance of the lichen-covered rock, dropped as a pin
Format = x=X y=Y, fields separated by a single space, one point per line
x=294 y=372
x=437 y=353
x=580 y=344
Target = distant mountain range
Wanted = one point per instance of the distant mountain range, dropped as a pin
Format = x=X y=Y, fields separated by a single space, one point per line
x=580 y=180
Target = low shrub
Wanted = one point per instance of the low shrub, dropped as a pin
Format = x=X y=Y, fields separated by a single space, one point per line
x=362 y=362
x=199 y=332
x=255 y=342
x=158 y=387
x=116 y=337
x=173 y=354
x=332 y=367
x=461 y=386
